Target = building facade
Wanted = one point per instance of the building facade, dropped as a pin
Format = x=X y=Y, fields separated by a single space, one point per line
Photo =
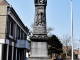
x=13 y=43
x=76 y=52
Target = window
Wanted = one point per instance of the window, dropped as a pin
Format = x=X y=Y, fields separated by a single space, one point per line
x=24 y=36
x=11 y=29
x=21 y=34
x=18 y=33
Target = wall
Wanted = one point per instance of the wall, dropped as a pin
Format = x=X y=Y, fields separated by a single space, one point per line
x=3 y=10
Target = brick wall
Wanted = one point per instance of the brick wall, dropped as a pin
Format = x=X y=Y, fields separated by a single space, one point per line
x=3 y=10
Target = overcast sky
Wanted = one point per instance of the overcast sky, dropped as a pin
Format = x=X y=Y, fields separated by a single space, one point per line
x=58 y=15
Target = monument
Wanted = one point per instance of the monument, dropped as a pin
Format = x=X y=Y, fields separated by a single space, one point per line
x=39 y=46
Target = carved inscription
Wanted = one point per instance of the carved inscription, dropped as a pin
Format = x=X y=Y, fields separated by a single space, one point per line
x=39 y=30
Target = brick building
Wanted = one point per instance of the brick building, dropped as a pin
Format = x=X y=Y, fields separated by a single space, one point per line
x=13 y=43
x=76 y=51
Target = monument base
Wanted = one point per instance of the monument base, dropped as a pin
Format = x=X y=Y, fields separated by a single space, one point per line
x=39 y=49
x=38 y=58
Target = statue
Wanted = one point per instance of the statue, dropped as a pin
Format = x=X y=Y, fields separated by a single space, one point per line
x=40 y=19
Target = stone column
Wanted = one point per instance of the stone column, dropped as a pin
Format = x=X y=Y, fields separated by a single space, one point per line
x=0 y=51
x=15 y=31
x=7 y=54
x=12 y=52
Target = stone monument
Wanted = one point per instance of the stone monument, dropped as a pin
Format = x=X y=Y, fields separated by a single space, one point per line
x=39 y=46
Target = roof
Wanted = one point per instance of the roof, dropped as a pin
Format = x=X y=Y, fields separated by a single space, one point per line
x=13 y=11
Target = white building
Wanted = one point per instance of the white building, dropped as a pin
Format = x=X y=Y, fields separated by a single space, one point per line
x=13 y=43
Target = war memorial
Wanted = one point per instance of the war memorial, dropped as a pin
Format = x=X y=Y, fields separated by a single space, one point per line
x=39 y=46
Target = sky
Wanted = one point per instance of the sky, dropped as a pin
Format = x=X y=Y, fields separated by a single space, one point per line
x=58 y=16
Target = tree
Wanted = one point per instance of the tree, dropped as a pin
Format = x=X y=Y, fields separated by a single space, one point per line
x=63 y=55
x=69 y=52
x=66 y=41
x=55 y=45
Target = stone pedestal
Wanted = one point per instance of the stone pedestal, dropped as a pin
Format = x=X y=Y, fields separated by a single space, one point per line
x=39 y=51
x=39 y=48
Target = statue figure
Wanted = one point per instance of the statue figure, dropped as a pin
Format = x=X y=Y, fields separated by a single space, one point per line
x=40 y=19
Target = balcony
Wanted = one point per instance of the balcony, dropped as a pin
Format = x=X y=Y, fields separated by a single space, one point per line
x=23 y=44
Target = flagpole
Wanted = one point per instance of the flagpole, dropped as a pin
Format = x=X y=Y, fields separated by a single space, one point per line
x=72 y=29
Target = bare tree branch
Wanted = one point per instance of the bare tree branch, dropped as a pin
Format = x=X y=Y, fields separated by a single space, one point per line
x=49 y=29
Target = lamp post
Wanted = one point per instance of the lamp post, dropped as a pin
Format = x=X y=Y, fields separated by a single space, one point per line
x=72 y=29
